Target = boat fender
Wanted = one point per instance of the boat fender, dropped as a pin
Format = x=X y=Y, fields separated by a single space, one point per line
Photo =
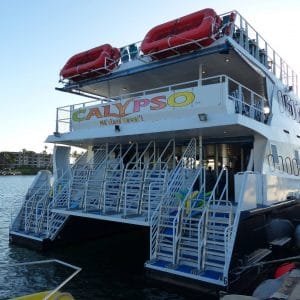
x=297 y=236
x=283 y=269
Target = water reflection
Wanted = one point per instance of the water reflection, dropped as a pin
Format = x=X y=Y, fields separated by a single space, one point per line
x=113 y=267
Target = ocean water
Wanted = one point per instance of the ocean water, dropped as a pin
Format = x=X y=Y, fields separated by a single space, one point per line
x=112 y=267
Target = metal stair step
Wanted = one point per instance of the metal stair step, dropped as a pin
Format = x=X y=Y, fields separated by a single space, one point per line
x=219 y=220
x=220 y=266
x=215 y=247
x=215 y=242
x=216 y=253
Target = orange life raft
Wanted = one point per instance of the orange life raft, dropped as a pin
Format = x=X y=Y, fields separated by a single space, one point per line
x=184 y=34
x=87 y=64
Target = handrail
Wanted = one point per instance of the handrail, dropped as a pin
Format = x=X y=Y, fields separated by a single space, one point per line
x=176 y=222
x=97 y=167
x=201 y=229
x=172 y=156
x=274 y=62
x=171 y=189
x=39 y=217
x=44 y=188
x=231 y=231
x=47 y=261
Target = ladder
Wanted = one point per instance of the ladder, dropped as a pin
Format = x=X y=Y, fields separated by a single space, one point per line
x=81 y=175
x=218 y=217
x=188 y=250
x=165 y=220
x=93 y=193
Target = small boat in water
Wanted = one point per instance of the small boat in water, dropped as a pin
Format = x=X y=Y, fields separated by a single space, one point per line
x=54 y=294
x=43 y=295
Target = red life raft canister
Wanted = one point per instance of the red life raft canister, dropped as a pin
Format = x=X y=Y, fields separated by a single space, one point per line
x=87 y=64
x=181 y=35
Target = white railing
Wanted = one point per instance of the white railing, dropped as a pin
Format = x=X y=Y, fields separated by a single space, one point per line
x=204 y=218
x=176 y=220
x=257 y=46
x=231 y=231
x=175 y=183
x=40 y=210
x=189 y=208
x=31 y=204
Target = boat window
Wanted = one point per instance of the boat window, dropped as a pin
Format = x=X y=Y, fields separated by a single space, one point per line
x=275 y=154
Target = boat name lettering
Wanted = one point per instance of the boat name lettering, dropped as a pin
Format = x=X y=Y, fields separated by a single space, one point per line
x=121 y=110
x=288 y=105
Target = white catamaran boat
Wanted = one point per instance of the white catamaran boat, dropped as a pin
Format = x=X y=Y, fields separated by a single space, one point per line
x=193 y=133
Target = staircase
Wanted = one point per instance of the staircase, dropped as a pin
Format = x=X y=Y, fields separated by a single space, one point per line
x=165 y=220
x=191 y=238
x=188 y=252
x=24 y=222
x=87 y=180
x=219 y=216
x=112 y=187
x=132 y=191
x=155 y=183
x=133 y=182
x=94 y=187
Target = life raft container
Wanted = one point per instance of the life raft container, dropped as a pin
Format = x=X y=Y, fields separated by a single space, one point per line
x=91 y=63
x=181 y=35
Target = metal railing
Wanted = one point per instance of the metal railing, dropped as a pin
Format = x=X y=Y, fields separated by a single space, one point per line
x=231 y=231
x=182 y=205
x=30 y=205
x=214 y=199
x=175 y=183
x=245 y=35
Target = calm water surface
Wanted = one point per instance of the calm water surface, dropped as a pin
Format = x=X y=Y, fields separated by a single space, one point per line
x=112 y=266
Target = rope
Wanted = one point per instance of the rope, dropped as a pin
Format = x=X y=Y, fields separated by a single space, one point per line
x=263 y=263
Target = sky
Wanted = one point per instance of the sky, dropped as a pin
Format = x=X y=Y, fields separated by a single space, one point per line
x=37 y=38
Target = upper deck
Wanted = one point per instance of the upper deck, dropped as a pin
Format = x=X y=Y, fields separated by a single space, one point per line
x=138 y=71
x=191 y=108
x=190 y=93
